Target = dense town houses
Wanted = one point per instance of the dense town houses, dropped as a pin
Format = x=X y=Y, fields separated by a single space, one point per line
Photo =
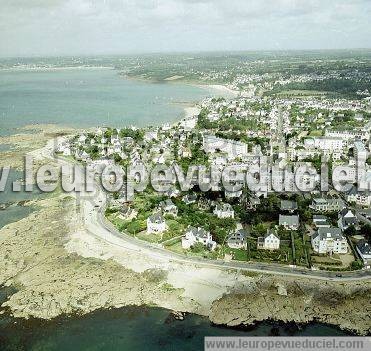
x=266 y=139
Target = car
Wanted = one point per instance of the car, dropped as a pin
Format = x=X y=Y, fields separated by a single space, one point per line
x=339 y=275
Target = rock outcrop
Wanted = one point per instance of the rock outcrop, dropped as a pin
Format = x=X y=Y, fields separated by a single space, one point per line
x=347 y=305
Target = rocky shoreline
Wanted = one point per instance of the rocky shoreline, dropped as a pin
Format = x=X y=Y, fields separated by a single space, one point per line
x=57 y=269
x=51 y=282
x=344 y=305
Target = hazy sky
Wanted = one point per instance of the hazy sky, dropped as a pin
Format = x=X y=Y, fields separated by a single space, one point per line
x=55 y=27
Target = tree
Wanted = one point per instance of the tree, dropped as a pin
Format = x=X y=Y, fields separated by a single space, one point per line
x=350 y=231
x=356 y=265
x=198 y=248
x=136 y=227
x=366 y=231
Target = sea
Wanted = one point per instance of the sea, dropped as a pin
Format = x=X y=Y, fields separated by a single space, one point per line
x=82 y=98
x=132 y=329
x=87 y=98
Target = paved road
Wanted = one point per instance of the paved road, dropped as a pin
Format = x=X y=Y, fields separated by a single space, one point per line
x=92 y=208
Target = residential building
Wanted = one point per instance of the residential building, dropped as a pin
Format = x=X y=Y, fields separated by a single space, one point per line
x=224 y=210
x=347 y=219
x=269 y=242
x=156 y=224
x=168 y=207
x=361 y=198
x=327 y=205
x=329 y=241
x=127 y=213
x=329 y=144
x=213 y=144
x=237 y=240
x=321 y=221
x=347 y=134
x=197 y=235
x=289 y=206
x=364 y=249
x=360 y=152
x=289 y=222
x=253 y=203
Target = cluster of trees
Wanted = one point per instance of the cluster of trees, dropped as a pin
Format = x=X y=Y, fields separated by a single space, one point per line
x=267 y=211
x=345 y=87
x=137 y=134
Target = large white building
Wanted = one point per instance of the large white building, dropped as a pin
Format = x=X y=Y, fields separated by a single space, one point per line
x=330 y=144
x=348 y=134
x=329 y=241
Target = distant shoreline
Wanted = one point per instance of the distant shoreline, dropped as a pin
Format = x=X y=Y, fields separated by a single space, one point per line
x=42 y=69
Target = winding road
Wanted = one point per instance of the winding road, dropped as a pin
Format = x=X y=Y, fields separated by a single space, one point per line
x=92 y=207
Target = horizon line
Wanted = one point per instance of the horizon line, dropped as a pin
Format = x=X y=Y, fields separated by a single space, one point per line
x=197 y=52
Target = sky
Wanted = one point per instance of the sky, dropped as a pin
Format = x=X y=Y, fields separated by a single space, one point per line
x=90 y=27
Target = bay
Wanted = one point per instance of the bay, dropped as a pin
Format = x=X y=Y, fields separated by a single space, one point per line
x=88 y=98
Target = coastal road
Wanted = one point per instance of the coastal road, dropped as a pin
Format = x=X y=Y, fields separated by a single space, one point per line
x=92 y=207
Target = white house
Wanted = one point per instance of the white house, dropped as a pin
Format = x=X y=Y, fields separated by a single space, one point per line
x=156 y=224
x=329 y=241
x=189 y=123
x=224 y=211
x=233 y=193
x=289 y=222
x=151 y=135
x=64 y=148
x=197 y=235
x=269 y=242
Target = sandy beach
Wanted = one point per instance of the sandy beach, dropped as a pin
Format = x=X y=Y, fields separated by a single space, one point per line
x=222 y=90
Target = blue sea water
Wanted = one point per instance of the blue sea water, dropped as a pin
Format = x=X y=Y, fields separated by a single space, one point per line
x=133 y=329
x=87 y=98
